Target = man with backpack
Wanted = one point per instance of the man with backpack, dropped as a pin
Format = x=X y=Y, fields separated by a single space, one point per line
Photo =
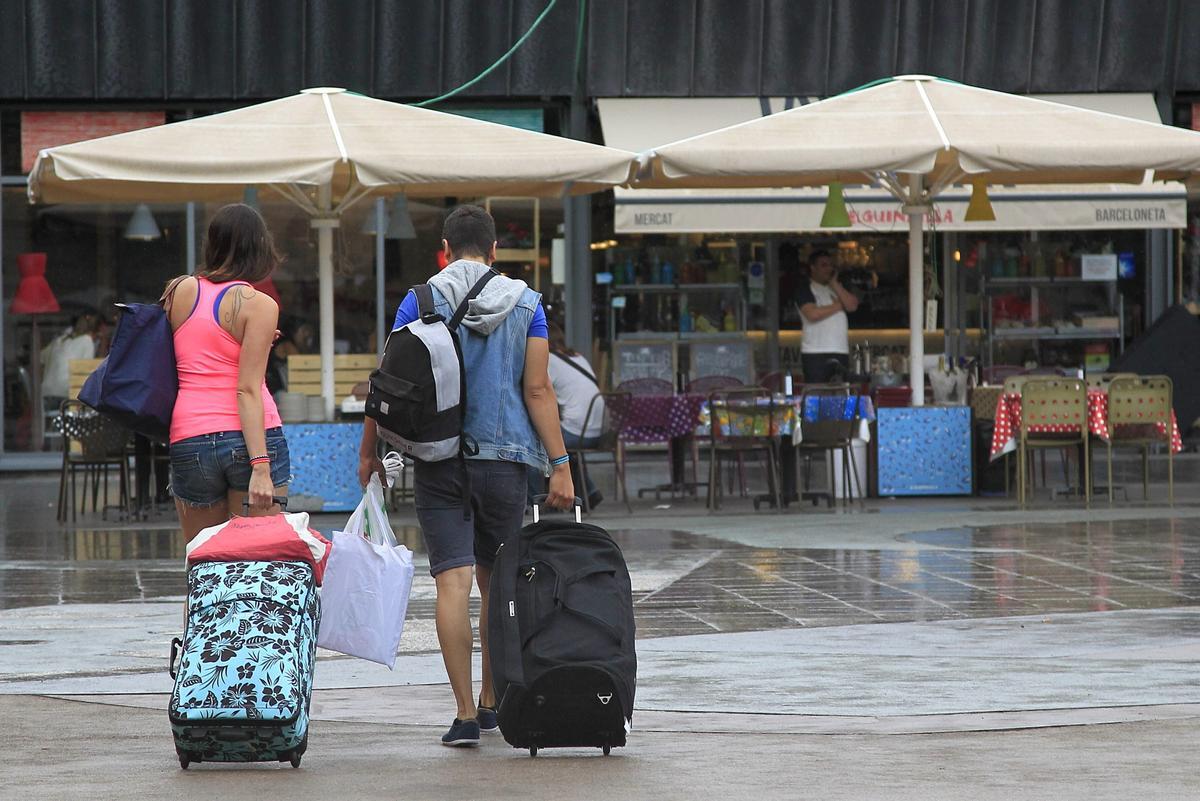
x=470 y=489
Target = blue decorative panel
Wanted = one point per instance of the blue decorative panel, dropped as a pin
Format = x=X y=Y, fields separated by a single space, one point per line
x=324 y=466
x=925 y=450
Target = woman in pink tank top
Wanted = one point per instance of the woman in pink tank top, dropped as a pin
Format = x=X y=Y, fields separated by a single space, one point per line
x=227 y=441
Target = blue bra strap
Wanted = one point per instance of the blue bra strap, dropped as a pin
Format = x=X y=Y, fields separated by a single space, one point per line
x=221 y=296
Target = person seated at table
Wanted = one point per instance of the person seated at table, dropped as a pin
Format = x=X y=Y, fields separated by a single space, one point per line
x=77 y=342
x=575 y=385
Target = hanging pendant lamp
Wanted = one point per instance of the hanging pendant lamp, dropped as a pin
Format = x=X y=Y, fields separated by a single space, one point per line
x=250 y=198
x=980 y=208
x=397 y=222
x=142 y=225
x=400 y=224
x=835 y=215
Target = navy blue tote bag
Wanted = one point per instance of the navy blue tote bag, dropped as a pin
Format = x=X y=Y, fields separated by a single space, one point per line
x=137 y=383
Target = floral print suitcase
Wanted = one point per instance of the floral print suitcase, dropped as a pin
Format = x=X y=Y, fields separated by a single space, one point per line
x=244 y=679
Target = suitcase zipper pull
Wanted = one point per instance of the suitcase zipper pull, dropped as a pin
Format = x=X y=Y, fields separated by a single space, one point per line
x=531 y=573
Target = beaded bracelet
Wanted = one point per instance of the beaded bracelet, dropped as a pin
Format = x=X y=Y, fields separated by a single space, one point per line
x=566 y=457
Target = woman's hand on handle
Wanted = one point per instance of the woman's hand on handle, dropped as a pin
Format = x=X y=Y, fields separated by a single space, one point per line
x=262 y=491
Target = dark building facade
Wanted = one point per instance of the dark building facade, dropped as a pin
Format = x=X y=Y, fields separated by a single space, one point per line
x=227 y=51
x=188 y=57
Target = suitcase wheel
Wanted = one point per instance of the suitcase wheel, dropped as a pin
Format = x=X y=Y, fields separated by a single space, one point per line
x=607 y=749
x=184 y=761
x=533 y=750
x=295 y=760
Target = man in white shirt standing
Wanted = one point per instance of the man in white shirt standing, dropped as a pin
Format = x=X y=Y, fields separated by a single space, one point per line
x=823 y=305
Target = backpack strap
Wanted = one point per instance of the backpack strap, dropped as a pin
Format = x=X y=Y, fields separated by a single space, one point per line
x=424 y=294
x=576 y=367
x=461 y=311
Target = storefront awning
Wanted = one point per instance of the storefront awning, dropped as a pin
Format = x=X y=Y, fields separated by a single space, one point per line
x=638 y=124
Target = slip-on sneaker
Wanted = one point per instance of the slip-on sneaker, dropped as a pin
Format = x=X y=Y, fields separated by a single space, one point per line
x=462 y=734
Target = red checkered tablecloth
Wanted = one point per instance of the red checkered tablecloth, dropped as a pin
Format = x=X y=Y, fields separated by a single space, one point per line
x=658 y=418
x=1008 y=423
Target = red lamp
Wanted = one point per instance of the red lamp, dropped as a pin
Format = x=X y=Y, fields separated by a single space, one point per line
x=33 y=293
x=34 y=297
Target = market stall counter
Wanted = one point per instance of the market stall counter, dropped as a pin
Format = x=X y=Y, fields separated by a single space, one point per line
x=324 y=453
x=924 y=450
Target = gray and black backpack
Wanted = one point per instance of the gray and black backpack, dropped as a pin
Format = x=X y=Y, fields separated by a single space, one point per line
x=418 y=396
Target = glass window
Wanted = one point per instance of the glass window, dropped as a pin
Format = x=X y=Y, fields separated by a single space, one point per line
x=89 y=266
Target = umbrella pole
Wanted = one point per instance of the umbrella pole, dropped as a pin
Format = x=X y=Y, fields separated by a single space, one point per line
x=916 y=210
x=380 y=280
x=325 y=226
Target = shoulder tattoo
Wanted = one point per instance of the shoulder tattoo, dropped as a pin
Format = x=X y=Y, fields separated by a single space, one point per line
x=241 y=294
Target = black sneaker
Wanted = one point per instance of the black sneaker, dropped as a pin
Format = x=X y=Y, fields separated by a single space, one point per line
x=462 y=734
x=594 y=499
x=488 y=723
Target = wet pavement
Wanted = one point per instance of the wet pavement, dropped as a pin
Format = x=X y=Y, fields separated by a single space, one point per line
x=954 y=619
x=689 y=583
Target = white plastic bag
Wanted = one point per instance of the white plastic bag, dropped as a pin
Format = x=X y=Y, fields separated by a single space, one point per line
x=367 y=583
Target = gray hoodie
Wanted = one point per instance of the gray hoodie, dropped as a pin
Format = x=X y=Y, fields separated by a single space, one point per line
x=487 y=312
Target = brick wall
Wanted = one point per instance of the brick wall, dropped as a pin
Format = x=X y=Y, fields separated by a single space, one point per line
x=43 y=129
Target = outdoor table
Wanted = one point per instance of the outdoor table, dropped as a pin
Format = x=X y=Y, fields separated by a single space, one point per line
x=787 y=423
x=652 y=419
x=787 y=420
x=1008 y=423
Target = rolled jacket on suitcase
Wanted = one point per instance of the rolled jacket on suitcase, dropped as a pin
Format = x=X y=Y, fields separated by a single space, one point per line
x=245 y=663
x=561 y=636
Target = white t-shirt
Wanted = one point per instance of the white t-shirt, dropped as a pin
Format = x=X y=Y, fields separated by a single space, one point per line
x=575 y=392
x=58 y=356
x=831 y=335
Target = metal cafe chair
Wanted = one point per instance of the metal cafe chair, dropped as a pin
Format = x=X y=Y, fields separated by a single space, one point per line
x=654 y=386
x=1012 y=386
x=94 y=444
x=646 y=386
x=832 y=430
x=750 y=431
x=1058 y=403
x=611 y=408
x=705 y=385
x=711 y=383
x=1138 y=407
x=1101 y=381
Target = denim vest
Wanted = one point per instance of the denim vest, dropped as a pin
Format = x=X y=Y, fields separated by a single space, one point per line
x=495 y=366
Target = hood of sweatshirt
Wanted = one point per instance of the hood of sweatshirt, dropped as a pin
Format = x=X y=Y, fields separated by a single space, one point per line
x=488 y=311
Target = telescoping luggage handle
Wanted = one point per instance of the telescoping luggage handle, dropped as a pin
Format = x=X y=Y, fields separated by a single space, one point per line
x=537 y=514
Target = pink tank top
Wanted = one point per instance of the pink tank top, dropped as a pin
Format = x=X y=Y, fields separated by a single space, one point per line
x=206 y=357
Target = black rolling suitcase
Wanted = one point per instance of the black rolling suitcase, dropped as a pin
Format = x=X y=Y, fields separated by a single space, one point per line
x=561 y=631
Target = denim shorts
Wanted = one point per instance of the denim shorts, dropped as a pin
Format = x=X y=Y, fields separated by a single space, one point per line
x=205 y=468
x=497 y=510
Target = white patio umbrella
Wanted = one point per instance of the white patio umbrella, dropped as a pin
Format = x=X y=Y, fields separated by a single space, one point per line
x=324 y=149
x=917 y=135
